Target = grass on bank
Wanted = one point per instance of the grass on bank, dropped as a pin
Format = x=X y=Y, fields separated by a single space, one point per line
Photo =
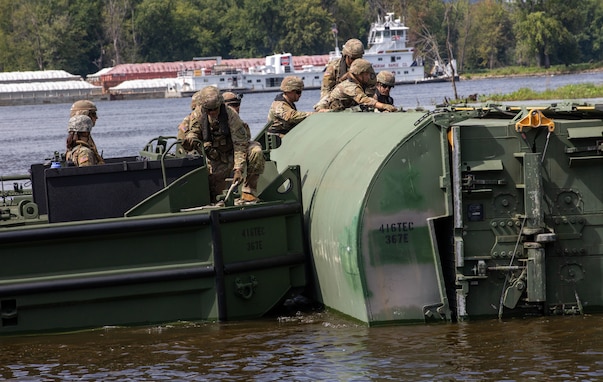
x=510 y=71
x=572 y=91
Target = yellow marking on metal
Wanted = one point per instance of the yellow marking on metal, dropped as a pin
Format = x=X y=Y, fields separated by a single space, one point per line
x=535 y=119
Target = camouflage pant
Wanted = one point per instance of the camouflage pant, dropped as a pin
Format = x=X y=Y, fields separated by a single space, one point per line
x=221 y=169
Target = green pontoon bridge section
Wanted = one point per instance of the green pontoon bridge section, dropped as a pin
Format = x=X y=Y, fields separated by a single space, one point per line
x=372 y=198
x=529 y=211
x=453 y=214
x=174 y=258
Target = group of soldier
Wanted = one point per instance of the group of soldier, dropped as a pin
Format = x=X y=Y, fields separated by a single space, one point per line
x=348 y=81
x=351 y=81
x=215 y=128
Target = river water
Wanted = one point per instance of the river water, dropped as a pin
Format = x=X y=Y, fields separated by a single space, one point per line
x=29 y=134
x=319 y=346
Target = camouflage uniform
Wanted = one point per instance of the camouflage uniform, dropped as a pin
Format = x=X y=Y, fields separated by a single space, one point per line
x=86 y=107
x=333 y=72
x=186 y=122
x=353 y=91
x=336 y=70
x=284 y=115
x=184 y=126
x=226 y=144
x=84 y=154
x=346 y=94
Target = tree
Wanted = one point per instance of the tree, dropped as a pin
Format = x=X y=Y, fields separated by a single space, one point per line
x=546 y=31
x=352 y=19
x=53 y=34
x=82 y=36
x=164 y=30
x=254 y=27
x=307 y=27
x=538 y=34
x=490 y=35
x=590 y=38
x=115 y=14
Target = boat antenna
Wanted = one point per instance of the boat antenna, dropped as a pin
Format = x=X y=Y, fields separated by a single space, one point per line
x=335 y=34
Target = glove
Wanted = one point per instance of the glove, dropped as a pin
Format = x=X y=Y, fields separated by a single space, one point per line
x=390 y=108
x=188 y=143
x=210 y=151
x=237 y=176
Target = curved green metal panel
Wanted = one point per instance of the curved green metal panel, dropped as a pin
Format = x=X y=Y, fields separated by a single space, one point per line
x=364 y=180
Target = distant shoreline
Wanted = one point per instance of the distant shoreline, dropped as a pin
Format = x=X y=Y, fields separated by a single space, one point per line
x=543 y=73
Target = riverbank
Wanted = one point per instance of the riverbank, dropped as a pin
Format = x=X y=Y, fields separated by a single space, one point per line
x=522 y=71
x=571 y=91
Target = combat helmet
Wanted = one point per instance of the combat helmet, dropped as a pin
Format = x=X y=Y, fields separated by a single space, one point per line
x=210 y=98
x=231 y=98
x=79 y=124
x=291 y=84
x=196 y=100
x=360 y=66
x=386 y=78
x=353 y=48
x=82 y=107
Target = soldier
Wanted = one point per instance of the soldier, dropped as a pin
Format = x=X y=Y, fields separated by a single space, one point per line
x=79 y=149
x=385 y=81
x=336 y=70
x=352 y=91
x=185 y=124
x=233 y=100
x=283 y=115
x=255 y=153
x=225 y=142
x=88 y=108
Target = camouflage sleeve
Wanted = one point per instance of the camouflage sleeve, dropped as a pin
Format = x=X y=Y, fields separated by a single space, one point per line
x=286 y=117
x=240 y=139
x=323 y=103
x=194 y=125
x=271 y=115
x=247 y=128
x=343 y=96
x=84 y=157
x=183 y=127
x=329 y=79
x=362 y=99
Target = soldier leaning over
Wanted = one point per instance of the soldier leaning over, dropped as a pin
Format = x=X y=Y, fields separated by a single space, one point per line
x=352 y=91
x=225 y=142
x=283 y=115
x=79 y=149
x=336 y=70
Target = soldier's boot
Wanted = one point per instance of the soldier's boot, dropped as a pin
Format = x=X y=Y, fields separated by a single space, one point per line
x=249 y=190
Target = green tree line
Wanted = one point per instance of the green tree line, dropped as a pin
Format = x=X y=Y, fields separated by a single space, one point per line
x=83 y=36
